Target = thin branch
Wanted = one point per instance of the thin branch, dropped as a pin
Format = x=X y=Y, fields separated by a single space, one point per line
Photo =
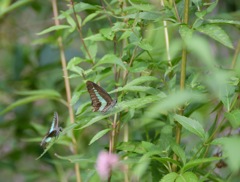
x=122 y=5
x=166 y=39
x=79 y=28
x=67 y=85
x=237 y=51
x=113 y=134
x=182 y=81
x=125 y=75
x=114 y=48
x=176 y=12
x=112 y=139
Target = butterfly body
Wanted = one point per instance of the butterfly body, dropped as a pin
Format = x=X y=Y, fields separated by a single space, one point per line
x=101 y=100
x=53 y=131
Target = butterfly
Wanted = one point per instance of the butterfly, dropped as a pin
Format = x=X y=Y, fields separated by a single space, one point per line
x=101 y=100
x=53 y=131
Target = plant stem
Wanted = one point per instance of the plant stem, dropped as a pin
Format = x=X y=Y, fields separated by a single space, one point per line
x=122 y=5
x=67 y=86
x=112 y=139
x=176 y=12
x=237 y=51
x=166 y=39
x=80 y=31
x=182 y=82
x=125 y=75
x=113 y=134
x=125 y=139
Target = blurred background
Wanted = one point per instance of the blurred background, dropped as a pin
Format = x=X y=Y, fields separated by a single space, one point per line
x=27 y=63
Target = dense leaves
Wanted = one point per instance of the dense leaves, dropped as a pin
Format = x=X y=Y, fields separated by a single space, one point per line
x=135 y=50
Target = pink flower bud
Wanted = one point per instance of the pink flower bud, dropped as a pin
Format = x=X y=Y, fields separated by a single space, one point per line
x=105 y=163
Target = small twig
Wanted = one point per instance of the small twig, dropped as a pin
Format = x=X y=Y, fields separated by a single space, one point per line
x=113 y=134
x=122 y=5
x=176 y=12
x=182 y=83
x=166 y=39
x=80 y=31
x=112 y=139
x=237 y=51
x=130 y=64
x=67 y=86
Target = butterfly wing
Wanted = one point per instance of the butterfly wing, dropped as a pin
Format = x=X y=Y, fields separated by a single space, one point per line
x=54 y=125
x=101 y=100
x=44 y=142
x=52 y=132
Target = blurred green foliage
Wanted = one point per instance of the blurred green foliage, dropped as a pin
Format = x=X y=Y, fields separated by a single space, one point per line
x=137 y=71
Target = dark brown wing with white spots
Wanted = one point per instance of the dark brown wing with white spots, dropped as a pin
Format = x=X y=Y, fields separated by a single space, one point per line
x=101 y=100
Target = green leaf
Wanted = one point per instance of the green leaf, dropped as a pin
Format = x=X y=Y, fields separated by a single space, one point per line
x=166 y=137
x=197 y=23
x=95 y=37
x=125 y=35
x=93 y=49
x=13 y=6
x=34 y=96
x=119 y=26
x=231 y=147
x=75 y=97
x=133 y=104
x=54 y=28
x=219 y=85
x=198 y=162
x=179 y=152
x=212 y=6
x=218 y=141
x=70 y=21
x=170 y=177
x=107 y=33
x=149 y=90
x=172 y=102
x=223 y=21
x=130 y=146
x=78 y=70
x=82 y=108
x=110 y=59
x=216 y=33
x=141 y=6
x=99 y=135
x=187 y=177
x=74 y=62
x=192 y=107
x=191 y=125
x=52 y=93
x=149 y=146
x=90 y=17
x=144 y=45
x=148 y=155
x=141 y=168
x=234 y=118
x=200 y=47
x=142 y=79
x=209 y=9
x=166 y=160
x=45 y=150
x=79 y=7
x=186 y=32
x=145 y=16
x=138 y=67
x=96 y=119
x=76 y=158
